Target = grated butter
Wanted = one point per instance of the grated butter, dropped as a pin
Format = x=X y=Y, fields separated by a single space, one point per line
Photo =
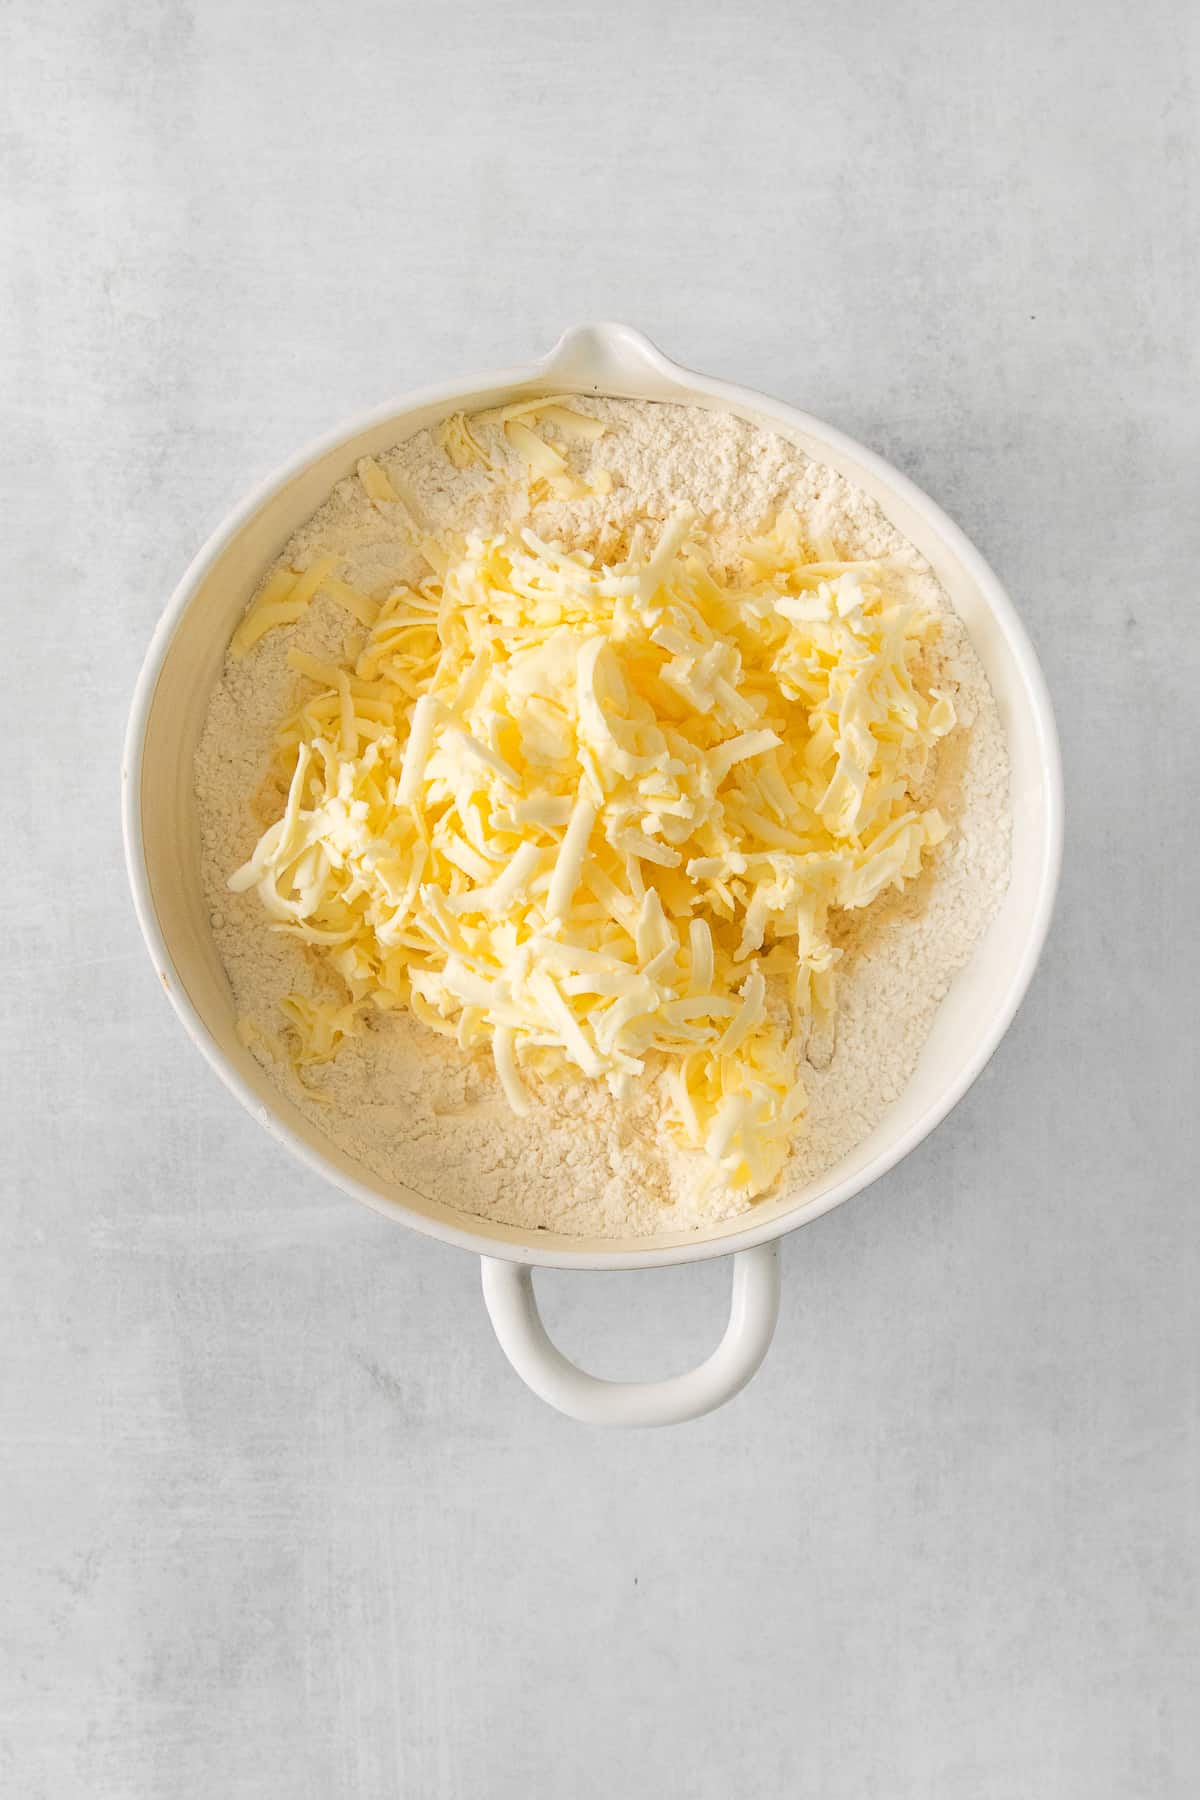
x=579 y=812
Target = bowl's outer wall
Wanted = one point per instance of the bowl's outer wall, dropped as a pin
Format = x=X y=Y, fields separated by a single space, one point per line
x=185 y=657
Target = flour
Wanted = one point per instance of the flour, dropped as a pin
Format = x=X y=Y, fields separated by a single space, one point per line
x=408 y=1105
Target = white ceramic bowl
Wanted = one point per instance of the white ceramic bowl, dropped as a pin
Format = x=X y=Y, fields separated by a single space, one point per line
x=162 y=850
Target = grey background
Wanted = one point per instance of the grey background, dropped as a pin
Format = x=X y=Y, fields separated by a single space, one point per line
x=275 y=1518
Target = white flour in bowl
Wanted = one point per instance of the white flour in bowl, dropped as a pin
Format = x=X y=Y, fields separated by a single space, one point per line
x=404 y=1102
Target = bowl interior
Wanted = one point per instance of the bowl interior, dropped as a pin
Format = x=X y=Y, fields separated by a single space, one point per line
x=970 y=1020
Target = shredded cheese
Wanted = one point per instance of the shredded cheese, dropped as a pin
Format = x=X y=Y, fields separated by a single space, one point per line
x=576 y=813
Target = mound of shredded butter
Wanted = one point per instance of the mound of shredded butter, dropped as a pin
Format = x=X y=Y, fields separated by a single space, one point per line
x=596 y=818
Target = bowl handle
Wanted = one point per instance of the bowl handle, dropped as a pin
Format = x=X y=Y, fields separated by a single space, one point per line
x=753 y=1309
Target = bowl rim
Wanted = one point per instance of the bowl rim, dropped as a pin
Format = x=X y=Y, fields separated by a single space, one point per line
x=619 y=348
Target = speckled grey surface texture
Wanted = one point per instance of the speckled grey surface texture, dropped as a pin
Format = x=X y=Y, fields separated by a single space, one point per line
x=275 y=1518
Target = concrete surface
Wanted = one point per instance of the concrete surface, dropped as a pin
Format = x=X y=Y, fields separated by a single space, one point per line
x=275 y=1519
